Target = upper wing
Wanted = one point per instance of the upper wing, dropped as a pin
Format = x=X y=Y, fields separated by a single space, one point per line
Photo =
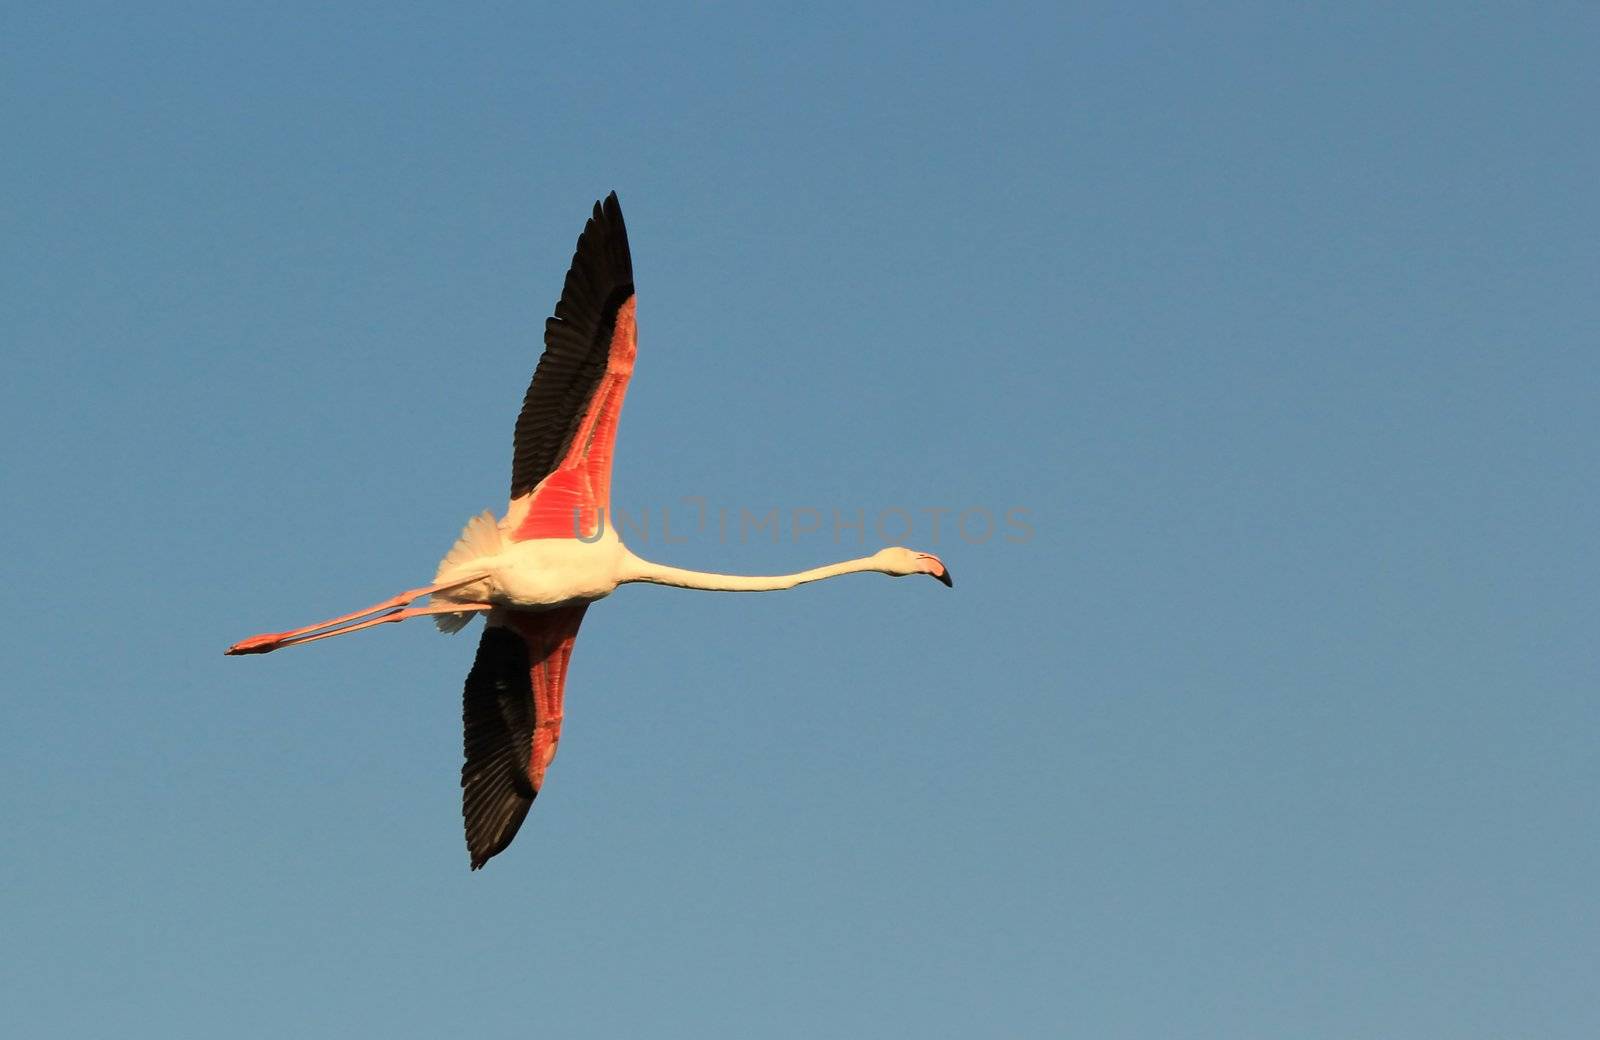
x=511 y=709
x=568 y=424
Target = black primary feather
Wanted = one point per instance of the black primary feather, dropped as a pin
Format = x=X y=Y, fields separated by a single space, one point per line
x=497 y=709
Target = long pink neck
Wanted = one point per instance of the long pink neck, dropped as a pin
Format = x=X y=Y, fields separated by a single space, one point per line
x=660 y=574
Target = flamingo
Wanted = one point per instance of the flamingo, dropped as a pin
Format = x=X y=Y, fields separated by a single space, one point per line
x=534 y=572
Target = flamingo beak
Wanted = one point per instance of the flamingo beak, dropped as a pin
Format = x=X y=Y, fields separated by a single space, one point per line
x=937 y=570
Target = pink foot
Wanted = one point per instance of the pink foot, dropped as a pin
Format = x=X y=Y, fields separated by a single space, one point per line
x=256 y=644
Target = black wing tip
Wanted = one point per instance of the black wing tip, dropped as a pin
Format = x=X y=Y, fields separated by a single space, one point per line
x=481 y=847
x=608 y=233
x=481 y=852
x=487 y=836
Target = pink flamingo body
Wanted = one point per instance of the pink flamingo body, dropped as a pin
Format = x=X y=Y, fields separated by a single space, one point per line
x=534 y=572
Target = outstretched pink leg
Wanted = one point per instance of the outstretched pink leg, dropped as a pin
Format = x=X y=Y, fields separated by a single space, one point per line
x=392 y=608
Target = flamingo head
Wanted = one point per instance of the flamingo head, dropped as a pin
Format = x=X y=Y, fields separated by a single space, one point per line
x=900 y=562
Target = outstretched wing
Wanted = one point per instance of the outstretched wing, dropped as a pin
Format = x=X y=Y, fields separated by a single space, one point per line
x=561 y=465
x=511 y=709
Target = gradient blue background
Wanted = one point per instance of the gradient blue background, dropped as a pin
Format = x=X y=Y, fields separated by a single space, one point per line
x=1279 y=319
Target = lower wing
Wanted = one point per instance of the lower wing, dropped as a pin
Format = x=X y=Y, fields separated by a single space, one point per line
x=511 y=709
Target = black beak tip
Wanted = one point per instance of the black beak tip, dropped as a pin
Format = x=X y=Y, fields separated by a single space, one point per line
x=945 y=577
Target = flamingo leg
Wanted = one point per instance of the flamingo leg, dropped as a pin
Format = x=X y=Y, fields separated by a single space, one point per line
x=269 y=641
x=396 y=614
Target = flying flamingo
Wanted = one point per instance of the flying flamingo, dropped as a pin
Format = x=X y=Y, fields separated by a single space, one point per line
x=535 y=571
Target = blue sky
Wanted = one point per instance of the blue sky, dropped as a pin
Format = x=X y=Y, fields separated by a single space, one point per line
x=1278 y=321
